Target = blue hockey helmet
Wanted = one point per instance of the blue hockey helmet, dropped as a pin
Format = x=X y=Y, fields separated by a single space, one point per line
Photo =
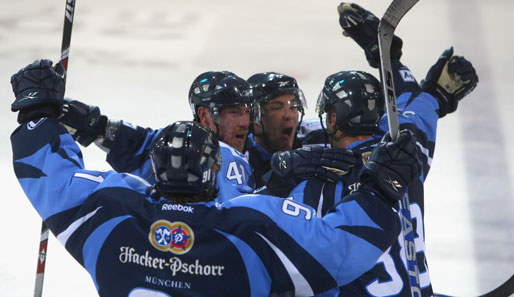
x=269 y=85
x=185 y=158
x=356 y=97
x=215 y=89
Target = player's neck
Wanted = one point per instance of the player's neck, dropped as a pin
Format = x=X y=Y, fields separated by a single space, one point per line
x=260 y=141
x=342 y=140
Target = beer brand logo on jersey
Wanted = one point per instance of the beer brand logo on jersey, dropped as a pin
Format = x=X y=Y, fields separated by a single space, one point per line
x=176 y=237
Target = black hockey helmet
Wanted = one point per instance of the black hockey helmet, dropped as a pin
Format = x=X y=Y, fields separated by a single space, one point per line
x=215 y=89
x=269 y=85
x=357 y=99
x=185 y=158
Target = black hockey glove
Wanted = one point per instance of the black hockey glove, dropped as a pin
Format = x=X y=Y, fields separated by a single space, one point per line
x=325 y=163
x=392 y=167
x=39 y=90
x=84 y=122
x=449 y=80
x=362 y=26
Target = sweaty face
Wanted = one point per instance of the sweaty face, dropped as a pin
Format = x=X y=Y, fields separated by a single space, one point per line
x=233 y=123
x=279 y=121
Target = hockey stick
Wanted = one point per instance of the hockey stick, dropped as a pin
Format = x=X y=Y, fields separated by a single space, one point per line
x=394 y=13
x=386 y=27
x=505 y=289
x=43 y=240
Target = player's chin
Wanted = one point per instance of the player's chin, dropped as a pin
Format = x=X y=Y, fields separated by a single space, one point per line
x=283 y=144
x=238 y=142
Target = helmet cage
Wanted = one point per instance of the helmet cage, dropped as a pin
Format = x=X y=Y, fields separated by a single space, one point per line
x=357 y=99
x=185 y=158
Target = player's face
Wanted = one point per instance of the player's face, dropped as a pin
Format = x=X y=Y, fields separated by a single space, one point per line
x=233 y=125
x=280 y=119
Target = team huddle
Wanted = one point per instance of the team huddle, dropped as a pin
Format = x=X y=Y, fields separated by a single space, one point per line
x=247 y=198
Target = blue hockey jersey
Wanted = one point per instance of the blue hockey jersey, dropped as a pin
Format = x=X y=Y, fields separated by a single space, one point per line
x=135 y=245
x=130 y=153
x=417 y=112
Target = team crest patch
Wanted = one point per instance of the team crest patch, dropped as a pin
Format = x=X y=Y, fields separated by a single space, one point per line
x=365 y=157
x=176 y=237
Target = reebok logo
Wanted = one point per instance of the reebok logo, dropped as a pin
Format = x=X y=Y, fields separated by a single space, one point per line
x=282 y=164
x=246 y=93
x=30 y=95
x=394 y=183
x=179 y=207
x=282 y=84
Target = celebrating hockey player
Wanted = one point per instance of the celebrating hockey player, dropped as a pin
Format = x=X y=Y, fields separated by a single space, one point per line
x=219 y=100
x=170 y=238
x=279 y=109
x=353 y=104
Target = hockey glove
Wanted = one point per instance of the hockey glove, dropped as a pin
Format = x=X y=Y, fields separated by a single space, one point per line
x=362 y=26
x=325 y=163
x=39 y=90
x=392 y=167
x=449 y=80
x=84 y=122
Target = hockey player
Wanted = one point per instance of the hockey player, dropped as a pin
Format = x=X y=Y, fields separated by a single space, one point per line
x=353 y=103
x=219 y=100
x=279 y=109
x=170 y=239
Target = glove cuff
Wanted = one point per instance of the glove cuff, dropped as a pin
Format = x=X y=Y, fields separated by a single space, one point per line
x=369 y=183
x=36 y=112
x=447 y=102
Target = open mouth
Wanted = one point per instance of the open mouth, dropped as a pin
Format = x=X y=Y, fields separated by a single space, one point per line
x=287 y=132
x=240 y=136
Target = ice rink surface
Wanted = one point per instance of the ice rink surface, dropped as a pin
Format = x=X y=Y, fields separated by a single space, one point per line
x=136 y=59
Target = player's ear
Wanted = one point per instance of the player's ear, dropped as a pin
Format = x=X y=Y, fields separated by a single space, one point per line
x=204 y=116
x=331 y=119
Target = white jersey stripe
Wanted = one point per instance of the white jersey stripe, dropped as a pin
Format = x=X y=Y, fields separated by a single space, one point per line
x=65 y=235
x=425 y=152
x=301 y=286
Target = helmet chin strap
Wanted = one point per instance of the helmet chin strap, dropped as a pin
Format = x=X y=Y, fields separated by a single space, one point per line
x=327 y=134
x=263 y=137
x=295 y=139
x=215 y=118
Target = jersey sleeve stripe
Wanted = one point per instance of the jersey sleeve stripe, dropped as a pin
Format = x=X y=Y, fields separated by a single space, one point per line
x=301 y=286
x=255 y=269
x=65 y=235
x=94 y=244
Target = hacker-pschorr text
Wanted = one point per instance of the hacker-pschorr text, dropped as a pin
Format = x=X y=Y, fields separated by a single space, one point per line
x=176 y=265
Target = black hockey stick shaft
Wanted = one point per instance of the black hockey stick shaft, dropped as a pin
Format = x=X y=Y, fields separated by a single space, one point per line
x=45 y=232
x=504 y=290
x=386 y=28
x=66 y=34
x=394 y=13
